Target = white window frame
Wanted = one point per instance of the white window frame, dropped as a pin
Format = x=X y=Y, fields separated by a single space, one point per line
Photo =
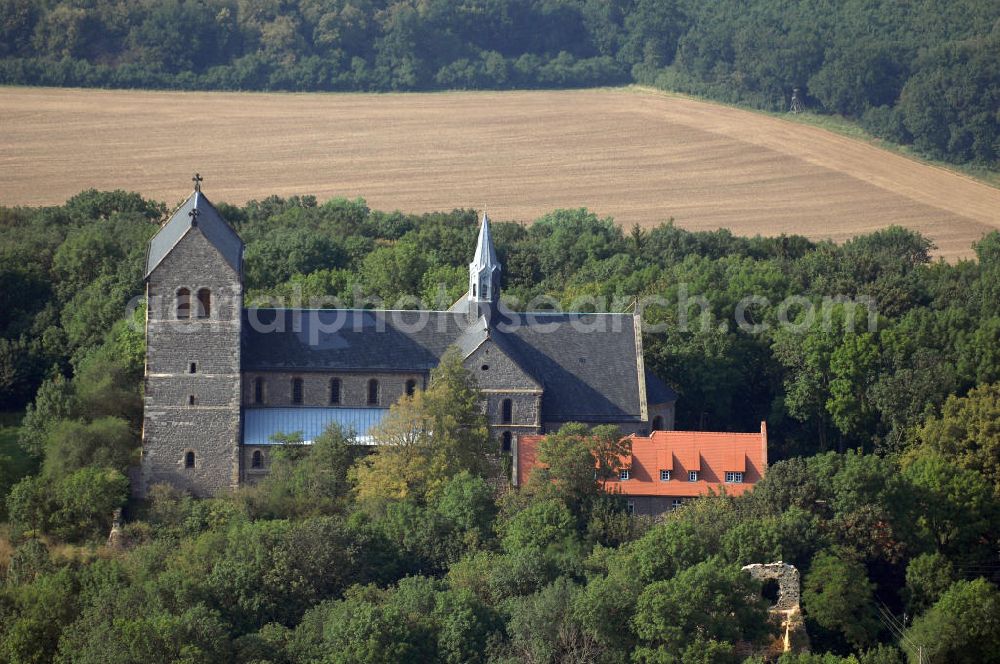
x=734 y=477
x=692 y=476
x=664 y=475
x=676 y=502
x=630 y=507
x=623 y=475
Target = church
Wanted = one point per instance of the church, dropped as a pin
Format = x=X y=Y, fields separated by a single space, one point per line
x=223 y=380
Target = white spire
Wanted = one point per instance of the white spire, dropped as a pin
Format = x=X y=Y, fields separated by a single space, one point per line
x=484 y=270
x=486 y=256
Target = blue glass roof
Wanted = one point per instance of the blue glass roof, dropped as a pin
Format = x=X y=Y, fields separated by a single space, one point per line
x=259 y=424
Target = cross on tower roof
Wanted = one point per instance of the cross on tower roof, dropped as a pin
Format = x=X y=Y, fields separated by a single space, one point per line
x=197 y=181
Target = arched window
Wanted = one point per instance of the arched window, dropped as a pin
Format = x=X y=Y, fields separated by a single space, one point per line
x=189 y=459
x=296 y=390
x=506 y=411
x=258 y=390
x=257 y=460
x=658 y=423
x=190 y=399
x=473 y=290
x=373 y=392
x=411 y=387
x=335 y=390
x=183 y=304
x=204 y=303
x=505 y=442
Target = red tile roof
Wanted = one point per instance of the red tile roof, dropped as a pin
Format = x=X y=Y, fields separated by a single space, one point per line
x=711 y=453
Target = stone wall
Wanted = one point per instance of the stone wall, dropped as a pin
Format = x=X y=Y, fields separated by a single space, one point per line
x=501 y=378
x=787 y=577
x=654 y=505
x=666 y=412
x=253 y=475
x=493 y=369
x=195 y=412
x=277 y=387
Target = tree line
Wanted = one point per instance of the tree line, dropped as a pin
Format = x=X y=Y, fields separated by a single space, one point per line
x=926 y=74
x=882 y=488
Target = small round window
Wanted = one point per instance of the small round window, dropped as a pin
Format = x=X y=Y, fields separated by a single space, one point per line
x=485 y=367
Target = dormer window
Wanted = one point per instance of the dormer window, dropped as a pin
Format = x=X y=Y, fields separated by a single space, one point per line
x=623 y=474
x=692 y=476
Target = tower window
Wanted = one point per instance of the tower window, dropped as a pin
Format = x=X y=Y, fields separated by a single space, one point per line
x=473 y=290
x=373 y=392
x=411 y=387
x=190 y=399
x=204 y=303
x=297 y=390
x=183 y=304
x=505 y=442
x=658 y=423
x=189 y=459
x=257 y=460
x=507 y=411
x=258 y=390
x=335 y=390
x=193 y=368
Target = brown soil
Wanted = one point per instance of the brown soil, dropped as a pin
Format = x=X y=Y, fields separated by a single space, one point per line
x=636 y=155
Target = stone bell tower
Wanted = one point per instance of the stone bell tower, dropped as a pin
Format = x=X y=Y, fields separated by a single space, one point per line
x=194 y=286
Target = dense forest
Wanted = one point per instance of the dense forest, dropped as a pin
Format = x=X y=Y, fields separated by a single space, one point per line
x=925 y=73
x=883 y=487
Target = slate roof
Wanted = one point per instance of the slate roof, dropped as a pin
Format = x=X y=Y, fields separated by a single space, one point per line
x=212 y=225
x=586 y=363
x=657 y=391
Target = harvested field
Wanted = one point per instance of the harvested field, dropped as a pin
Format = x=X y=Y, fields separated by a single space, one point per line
x=636 y=155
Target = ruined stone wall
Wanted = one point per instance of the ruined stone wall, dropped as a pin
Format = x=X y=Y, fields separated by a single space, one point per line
x=787 y=577
x=200 y=411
